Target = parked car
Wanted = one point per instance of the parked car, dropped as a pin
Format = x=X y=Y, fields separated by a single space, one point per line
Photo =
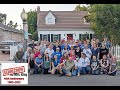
x=5 y=45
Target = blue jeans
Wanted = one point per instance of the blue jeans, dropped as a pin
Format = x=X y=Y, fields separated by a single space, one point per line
x=36 y=68
x=86 y=69
x=77 y=71
x=65 y=71
x=95 y=72
x=113 y=74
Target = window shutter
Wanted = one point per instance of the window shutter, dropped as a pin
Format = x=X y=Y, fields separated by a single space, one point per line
x=40 y=37
x=91 y=36
x=59 y=37
x=51 y=37
x=79 y=36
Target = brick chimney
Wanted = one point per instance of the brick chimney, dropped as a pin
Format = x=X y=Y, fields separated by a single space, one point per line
x=38 y=12
x=38 y=9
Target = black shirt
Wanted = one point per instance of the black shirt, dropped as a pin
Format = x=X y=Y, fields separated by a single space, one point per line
x=103 y=51
x=78 y=53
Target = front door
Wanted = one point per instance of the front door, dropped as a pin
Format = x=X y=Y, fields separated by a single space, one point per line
x=69 y=37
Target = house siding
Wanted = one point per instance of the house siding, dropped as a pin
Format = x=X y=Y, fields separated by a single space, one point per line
x=63 y=34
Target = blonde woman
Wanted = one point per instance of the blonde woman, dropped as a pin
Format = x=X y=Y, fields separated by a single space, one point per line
x=113 y=67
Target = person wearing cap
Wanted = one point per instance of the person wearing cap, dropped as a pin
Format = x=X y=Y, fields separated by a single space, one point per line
x=50 y=51
x=56 y=46
x=84 y=62
x=87 y=51
x=68 y=67
x=58 y=53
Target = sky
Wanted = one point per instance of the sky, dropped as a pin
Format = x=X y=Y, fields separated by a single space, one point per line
x=13 y=11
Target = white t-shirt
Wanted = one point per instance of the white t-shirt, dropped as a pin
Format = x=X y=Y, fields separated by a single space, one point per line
x=84 y=62
x=88 y=52
x=50 y=52
x=77 y=63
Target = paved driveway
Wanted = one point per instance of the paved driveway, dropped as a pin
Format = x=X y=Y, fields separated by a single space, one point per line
x=4 y=56
x=84 y=80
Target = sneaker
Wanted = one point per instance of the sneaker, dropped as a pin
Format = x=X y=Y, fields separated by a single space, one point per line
x=78 y=75
x=49 y=71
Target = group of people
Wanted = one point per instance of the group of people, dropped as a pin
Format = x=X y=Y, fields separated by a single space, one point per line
x=70 y=58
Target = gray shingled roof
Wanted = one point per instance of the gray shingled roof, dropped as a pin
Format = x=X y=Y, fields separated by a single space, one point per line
x=5 y=27
x=64 y=20
x=10 y=29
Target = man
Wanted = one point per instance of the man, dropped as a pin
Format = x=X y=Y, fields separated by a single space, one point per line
x=58 y=53
x=68 y=66
x=19 y=56
x=50 y=51
x=106 y=42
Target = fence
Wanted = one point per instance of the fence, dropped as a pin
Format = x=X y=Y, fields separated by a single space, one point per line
x=13 y=50
x=115 y=50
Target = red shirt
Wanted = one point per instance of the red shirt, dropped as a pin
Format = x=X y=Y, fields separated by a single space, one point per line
x=73 y=57
x=36 y=54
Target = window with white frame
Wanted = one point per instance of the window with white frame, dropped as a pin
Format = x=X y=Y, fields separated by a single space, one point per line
x=45 y=37
x=55 y=37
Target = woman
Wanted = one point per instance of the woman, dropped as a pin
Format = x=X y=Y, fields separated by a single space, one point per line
x=71 y=50
x=38 y=64
x=104 y=62
x=84 y=60
x=77 y=68
x=27 y=54
x=78 y=52
x=95 y=51
x=103 y=51
x=47 y=63
x=55 y=63
x=94 y=65
x=31 y=60
x=72 y=55
x=65 y=50
x=113 y=67
x=36 y=52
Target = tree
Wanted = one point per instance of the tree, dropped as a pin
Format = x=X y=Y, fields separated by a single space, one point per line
x=105 y=20
x=3 y=18
x=35 y=36
x=32 y=22
x=79 y=8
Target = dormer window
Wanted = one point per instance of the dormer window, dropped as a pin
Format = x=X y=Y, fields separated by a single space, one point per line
x=50 y=19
